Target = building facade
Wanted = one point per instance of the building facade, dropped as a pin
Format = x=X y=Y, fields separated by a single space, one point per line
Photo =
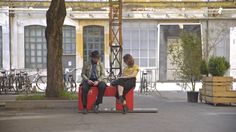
x=147 y=32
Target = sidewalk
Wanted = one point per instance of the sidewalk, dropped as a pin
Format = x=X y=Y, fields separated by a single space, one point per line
x=175 y=115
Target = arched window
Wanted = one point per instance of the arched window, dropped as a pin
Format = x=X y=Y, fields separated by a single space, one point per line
x=93 y=39
x=35 y=47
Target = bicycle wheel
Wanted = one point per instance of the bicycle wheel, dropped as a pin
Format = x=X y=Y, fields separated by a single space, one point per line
x=73 y=86
x=1 y=85
x=11 y=87
x=28 y=85
x=41 y=83
x=18 y=85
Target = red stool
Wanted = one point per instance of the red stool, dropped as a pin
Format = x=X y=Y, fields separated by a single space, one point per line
x=110 y=91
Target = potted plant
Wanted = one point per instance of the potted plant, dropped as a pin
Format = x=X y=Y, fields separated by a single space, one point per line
x=217 y=86
x=187 y=58
x=218 y=66
x=204 y=68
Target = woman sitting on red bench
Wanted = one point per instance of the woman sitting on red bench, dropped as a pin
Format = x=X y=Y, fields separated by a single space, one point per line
x=127 y=81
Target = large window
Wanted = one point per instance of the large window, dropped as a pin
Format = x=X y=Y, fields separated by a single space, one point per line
x=93 y=40
x=1 y=47
x=69 y=48
x=140 y=40
x=35 y=47
x=69 y=40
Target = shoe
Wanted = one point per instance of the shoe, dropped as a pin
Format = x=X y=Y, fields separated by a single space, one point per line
x=121 y=99
x=125 y=109
x=95 y=108
x=84 y=111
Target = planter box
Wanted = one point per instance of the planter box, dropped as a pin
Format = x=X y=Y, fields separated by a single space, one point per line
x=220 y=100
x=218 y=79
x=218 y=90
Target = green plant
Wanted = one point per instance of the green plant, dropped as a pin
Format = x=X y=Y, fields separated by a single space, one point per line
x=36 y=96
x=218 y=66
x=204 y=68
x=187 y=57
x=41 y=96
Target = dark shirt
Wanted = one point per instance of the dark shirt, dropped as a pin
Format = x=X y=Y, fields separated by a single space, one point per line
x=93 y=75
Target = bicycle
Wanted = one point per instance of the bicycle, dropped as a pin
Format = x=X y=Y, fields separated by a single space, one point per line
x=39 y=80
x=69 y=82
x=7 y=82
x=22 y=82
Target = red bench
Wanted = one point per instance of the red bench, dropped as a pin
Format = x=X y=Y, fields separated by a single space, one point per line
x=110 y=91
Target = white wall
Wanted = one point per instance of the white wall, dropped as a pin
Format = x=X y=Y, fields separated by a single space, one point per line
x=4 y=22
x=232 y=52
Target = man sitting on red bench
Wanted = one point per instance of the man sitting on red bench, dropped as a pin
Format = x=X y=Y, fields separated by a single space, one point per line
x=93 y=74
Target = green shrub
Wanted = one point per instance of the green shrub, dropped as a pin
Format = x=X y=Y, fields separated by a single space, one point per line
x=204 y=68
x=218 y=66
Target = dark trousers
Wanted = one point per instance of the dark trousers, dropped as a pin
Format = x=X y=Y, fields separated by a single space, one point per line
x=101 y=90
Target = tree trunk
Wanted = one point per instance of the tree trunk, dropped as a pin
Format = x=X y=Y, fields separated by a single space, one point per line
x=55 y=19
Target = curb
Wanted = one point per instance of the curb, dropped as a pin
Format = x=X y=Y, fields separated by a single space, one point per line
x=41 y=104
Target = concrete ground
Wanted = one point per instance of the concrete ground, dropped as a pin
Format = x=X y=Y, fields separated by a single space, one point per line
x=175 y=115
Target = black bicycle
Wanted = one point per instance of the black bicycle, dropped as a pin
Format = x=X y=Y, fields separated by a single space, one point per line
x=7 y=82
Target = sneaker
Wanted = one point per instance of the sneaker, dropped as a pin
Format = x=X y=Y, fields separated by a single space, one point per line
x=95 y=108
x=125 y=109
x=84 y=111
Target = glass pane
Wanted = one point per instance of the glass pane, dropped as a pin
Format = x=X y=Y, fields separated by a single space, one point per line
x=27 y=52
x=143 y=53
x=125 y=51
x=135 y=53
x=32 y=46
x=32 y=60
x=144 y=44
x=32 y=32
x=144 y=35
x=152 y=44
x=144 y=62
x=39 y=40
x=38 y=33
x=39 y=53
x=153 y=34
x=32 y=53
x=152 y=62
x=152 y=53
x=44 y=60
x=32 y=39
x=39 y=59
x=39 y=46
x=135 y=44
x=27 y=46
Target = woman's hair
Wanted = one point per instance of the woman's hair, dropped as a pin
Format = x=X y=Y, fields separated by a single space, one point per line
x=129 y=60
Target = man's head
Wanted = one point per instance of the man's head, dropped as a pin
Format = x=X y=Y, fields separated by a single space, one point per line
x=95 y=56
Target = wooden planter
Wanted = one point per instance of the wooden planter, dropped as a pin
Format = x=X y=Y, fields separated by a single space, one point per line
x=217 y=90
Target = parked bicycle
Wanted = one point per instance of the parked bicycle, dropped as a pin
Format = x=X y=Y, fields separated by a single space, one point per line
x=39 y=80
x=7 y=82
x=22 y=82
x=69 y=82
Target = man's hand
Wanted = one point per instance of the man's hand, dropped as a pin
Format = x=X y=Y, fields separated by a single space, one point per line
x=95 y=83
x=90 y=82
